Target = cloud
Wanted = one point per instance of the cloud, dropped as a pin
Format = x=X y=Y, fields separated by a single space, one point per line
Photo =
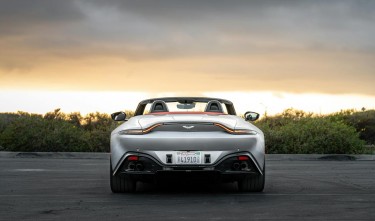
x=234 y=24
x=39 y=11
x=290 y=45
x=177 y=28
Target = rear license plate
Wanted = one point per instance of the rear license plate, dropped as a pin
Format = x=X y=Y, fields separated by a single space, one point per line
x=188 y=157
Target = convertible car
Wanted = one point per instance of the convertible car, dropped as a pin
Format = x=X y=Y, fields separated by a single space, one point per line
x=192 y=138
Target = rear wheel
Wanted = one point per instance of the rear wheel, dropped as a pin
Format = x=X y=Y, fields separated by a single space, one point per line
x=121 y=183
x=253 y=183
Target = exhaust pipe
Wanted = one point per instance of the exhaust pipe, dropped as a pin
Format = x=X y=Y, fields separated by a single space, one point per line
x=244 y=165
x=131 y=166
x=139 y=166
x=236 y=166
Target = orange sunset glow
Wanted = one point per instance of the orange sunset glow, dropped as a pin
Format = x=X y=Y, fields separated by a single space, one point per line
x=265 y=56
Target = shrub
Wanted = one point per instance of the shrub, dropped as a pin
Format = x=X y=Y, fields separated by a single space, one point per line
x=34 y=133
x=6 y=119
x=364 y=122
x=292 y=131
x=56 y=131
x=306 y=134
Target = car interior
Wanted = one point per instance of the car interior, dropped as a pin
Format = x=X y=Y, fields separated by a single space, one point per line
x=214 y=106
x=160 y=106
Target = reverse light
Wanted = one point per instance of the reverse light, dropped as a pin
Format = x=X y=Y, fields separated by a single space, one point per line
x=138 y=131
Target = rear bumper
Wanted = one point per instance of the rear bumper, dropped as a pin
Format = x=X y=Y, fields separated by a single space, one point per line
x=157 y=145
x=227 y=168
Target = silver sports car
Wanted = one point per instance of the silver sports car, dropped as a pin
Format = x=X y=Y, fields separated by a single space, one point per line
x=191 y=138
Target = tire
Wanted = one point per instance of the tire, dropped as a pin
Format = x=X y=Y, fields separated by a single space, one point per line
x=121 y=183
x=253 y=183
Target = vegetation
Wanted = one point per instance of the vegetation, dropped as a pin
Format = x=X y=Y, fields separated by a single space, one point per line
x=56 y=131
x=363 y=122
x=292 y=131
x=295 y=131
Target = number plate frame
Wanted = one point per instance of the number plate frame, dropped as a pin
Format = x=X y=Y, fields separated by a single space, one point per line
x=188 y=157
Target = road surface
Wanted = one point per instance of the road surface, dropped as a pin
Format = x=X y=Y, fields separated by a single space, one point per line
x=78 y=189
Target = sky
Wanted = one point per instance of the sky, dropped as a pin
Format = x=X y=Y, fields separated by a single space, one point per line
x=91 y=55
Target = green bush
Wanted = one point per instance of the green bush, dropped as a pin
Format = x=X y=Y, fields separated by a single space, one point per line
x=6 y=119
x=34 y=133
x=364 y=122
x=297 y=133
x=56 y=131
x=292 y=131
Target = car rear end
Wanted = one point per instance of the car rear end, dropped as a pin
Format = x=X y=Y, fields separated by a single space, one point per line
x=188 y=150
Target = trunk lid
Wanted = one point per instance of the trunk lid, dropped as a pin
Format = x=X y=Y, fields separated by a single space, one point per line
x=189 y=119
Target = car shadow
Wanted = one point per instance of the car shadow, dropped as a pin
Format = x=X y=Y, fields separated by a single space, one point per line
x=186 y=187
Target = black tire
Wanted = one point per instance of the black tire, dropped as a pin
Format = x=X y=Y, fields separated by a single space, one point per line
x=121 y=183
x=253 y=183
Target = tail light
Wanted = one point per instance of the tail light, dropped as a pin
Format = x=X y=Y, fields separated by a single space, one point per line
x=243 y=158
x=138 y=131
x=133 y=158
x=238 y=131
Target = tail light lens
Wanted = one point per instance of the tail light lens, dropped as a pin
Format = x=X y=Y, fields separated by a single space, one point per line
x=133 y=158
x=138 y=131
x=250 y=132
x=131 y=132
x=238 y=131
x=243 y=158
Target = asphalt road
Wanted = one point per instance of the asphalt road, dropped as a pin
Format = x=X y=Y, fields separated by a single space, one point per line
x=78 y=189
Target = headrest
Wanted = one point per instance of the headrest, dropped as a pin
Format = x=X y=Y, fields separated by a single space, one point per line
x=214 y=106
x=158 y=106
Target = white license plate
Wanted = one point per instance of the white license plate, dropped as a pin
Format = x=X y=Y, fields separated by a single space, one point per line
x=188 y=157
